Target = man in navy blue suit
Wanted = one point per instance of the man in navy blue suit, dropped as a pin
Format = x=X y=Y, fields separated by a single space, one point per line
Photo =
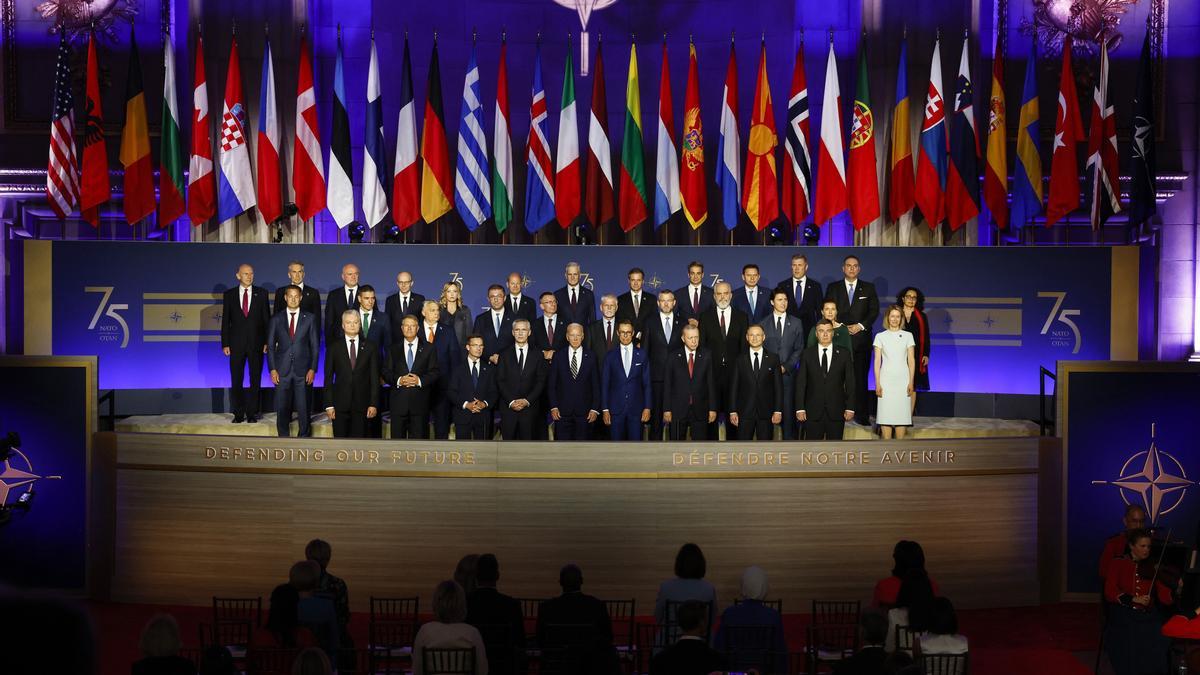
x=495 y=324
x=625 y=387
x=376 y=329
x=576 y=302
x=473 y=393
x=521 y=379
x=695 y=298
x=804 y=295
x=448 y=354
x=574 y=388
x=751 y=298
x=292 y=349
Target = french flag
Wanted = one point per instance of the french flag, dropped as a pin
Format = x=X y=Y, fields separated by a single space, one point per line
x=269 y=181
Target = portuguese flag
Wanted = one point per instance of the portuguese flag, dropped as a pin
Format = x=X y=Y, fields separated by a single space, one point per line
x=633 y=164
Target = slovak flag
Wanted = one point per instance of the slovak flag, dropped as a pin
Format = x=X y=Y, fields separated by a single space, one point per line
x=932 y=160
x=235 y=183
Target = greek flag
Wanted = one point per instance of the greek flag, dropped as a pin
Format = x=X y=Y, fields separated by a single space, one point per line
x=472 y=177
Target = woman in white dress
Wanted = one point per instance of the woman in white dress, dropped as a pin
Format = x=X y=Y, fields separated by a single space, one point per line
x=894 y=370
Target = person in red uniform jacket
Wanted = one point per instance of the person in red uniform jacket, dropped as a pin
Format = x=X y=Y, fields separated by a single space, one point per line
x=1135 y=517
x=1133 y=633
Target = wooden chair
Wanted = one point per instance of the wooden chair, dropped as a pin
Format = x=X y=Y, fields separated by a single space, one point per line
x=389 y=644
x=232 y=634
x=751 y=647
x=836 y=612
x=268 y=661
x=672 y=624
x=448 y=660
x=648 y=642
x=829 y=643
x=395 y=609
x=904 y=639
x=945 y=664
x=529 y=611
x=776 y=605
x=621 y=613
x=238 y=609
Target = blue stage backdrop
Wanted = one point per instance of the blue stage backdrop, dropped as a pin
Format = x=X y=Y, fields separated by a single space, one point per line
x=151 y=312
x=1129 y=432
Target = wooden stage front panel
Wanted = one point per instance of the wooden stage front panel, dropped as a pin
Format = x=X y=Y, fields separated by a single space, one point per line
x=197 y=516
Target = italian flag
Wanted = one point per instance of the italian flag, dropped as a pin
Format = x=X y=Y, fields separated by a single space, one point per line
x=567 y=173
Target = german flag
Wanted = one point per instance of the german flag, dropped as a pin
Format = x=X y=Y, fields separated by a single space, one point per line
x=135 y=144
x=436 y=183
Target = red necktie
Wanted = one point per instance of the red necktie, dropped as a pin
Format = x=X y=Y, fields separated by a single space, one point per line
x=430 y=336
x=691 y=364
x=292 y=324
x=353 y=354
x=550 y=332
x=245 y=302
x=696 y=301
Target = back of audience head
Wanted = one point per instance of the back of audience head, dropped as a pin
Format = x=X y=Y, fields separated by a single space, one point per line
x=754 y=583
x=487 y=571
x=942 y=620
x=319 y=551
x=449 y=602
x=874 y=627
x=216 y=660
x=570 y=578
x=312 y=661
x=304 y=576
x=692 y=617
x=160 y=637
x=690 y=563
x=464 y=572
x=283 y=616
x=916 y=595
x=907 y=556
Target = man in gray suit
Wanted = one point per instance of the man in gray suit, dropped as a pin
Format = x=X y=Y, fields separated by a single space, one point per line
x=785 y=338
x=292 y=346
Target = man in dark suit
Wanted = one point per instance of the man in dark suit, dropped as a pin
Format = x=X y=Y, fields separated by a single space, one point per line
x=601 y=335
x=448 y=354
x=784 y=339
x=689 y=390
x=404 y=302
x=292 y=351
x=412 y=371
x=520 y=305
x=755 y=391
x=825 y=392
x=635 y=304
x=662 y=337
x=377 y=329
x=351 y=379
x=691 y=654
x=521 y=379
x=804 y=294
x=339 y=300
x=495 y=325
x=487 y=607
x=576 y=302
x=550 y=330
x=574 y=608
x=473 y=393
x=625 y=387
x=694 y=298
x=858 y=308
x=574 y=389
x=310 y=298
x=751 y=298
x=723 y=333
x=244 y=315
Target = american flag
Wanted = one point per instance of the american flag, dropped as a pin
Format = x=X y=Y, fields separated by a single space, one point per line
x=62 y=174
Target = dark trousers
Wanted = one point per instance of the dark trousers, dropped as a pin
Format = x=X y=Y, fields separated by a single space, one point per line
x=750 y=429
x=823 y=428
x=350 y=424
x=244 y=402
x=439 y=406
x=722 y=404
x=409 y=424
x=627 y=427
x=290 y=393
x=520 y=426
x=789 y=423
x=572 y=428
x=473 y=426
x=862 y=366
x=656 y=410
x=698 y=427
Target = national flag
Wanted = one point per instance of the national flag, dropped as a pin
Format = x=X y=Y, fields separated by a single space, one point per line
x=135 y=144
x=567 y=171
x=436 y=183
x=930 y=193
x=170 y=177
x=862 y=178
x=95 y=188
x=472 y=178
x=633 y=163
x=1102 y=150
x=666 y=173
x=202 y=187
x=598 y=202
x=502 y=166
x=760 y=193
x=729 y=170
x=995 y=176
x=235 y=182
x=692 y=185
x=962 y=179
x=406 y=181
x=901 y=197
x=374 y=199
x=539 y=166
x=1068 y=130
x=1142 y=188
x=308 y=162
x=831 y=159
x=1027 y=178
x=797 y=163
x=340 y=196
x=62 y=169
x=270 y=182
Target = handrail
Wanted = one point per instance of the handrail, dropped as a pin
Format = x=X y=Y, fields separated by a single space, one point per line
x=111 y=399
x=1043 y=421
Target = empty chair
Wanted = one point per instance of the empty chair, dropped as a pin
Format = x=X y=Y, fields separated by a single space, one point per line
x=829 y=643
x=448 y=660
x=836 y=611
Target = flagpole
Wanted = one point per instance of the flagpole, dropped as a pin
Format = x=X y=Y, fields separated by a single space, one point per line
x=666 y=226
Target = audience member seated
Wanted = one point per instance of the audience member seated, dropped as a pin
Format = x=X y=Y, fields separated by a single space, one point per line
x=312 y=661
x=576 y=608
x=1116 y=546
x=283 y=629
x=688 y=584
x=332 y=587
x=217 y=660
x=315 y=612
x=487 y=606
x=1136 y=611
x=448 y=628
x=160 y=649
x=872 y=657
x=941 y=635
x=1183 y=626
x=691 y=655
x=464 y=572
x=914 y=606
x=907 y=555
x=752 y=612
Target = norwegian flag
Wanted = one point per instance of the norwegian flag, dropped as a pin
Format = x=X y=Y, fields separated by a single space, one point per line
x=62 y=174
x=797 y=172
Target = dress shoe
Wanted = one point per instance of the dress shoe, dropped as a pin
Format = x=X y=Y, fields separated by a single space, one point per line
x=251 y=419
x=239 y=418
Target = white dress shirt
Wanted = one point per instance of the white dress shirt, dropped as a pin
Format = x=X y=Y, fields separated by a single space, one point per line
x=415 y=345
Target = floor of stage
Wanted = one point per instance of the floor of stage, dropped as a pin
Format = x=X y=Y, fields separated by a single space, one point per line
x=220 y=424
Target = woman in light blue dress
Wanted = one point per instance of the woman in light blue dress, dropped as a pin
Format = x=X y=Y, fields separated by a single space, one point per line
x=894 y=369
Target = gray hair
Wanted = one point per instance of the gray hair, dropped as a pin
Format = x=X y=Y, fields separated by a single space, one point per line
x=449 y=602
x=349 y=312
x=608 y=296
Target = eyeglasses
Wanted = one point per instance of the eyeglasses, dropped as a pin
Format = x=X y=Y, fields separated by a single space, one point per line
x=910 y=297
x=624 y=332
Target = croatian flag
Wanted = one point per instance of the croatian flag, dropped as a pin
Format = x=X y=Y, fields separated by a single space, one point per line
x=235 y=184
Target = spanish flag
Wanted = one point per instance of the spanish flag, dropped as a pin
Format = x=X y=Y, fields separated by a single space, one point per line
x=436 y=183
x=760 y=191
x=135 y=144
x=995 y=175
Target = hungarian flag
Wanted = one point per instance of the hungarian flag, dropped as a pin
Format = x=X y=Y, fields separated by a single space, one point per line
x=666 y=171
x=692 y=187
x=863 y=179
x=135 y=144
x=729 y=169
x=270 y=182
x=539 y=166
x=1142 y=187
x=308 y=166
x=567 y=171
x=995 y=176
x=94 y=187
x=931 y=155
x=1102 y=150
x=797 y=164
x=502 y=168
x=406 y=179
x=1068 y=130
x=202 y=186
x=340 y=196
x=633 y=167
x=831 y=166
x=235 y=182
x=436 y=183
x=598 y=202
x=170 y=178
x=760 y=192
x=962 y=179
x=901 y=197
x=1027 y=179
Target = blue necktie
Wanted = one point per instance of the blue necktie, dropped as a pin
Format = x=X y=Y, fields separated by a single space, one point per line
x=475 y=374
x=410 y=356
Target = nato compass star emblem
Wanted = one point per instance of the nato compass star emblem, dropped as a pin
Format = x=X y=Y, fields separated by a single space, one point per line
x=17 y=473
x=654 y=282
x=1155 y=477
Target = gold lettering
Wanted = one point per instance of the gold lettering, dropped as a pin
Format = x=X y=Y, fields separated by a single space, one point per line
x=949 y=456
x=342 y=455
x=913 y=457
x=210 y=452
x=864 y=456
x=439 y=457
x=318 y=455
x=739 y=458
x=694 y=458
x=722 y=458
x=785 y=458
x=455 y=457
x=754 y=458
x=677 y=458
x=708 y=458
x=224 y=453
x=424 y=456
x=822 y=458
x=928 y=457
x=887 y=457
x=410 y=456
x=373 y=456
x=396 y=457
x=806 y=458
x=851 y=457
x=770 y=457
x=469 y=457
x=280 y=455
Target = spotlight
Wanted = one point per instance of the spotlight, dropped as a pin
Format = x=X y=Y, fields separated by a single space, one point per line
x=776 y=236
x=356 y=232
x=812 y=234
x=290 y=211
x=583 y=235
x=392 y=234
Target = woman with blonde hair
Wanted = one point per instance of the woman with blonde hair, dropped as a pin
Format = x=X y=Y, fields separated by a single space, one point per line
x=160 y=646
x=448 y=628
x=895 y=367
x=454 y=313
